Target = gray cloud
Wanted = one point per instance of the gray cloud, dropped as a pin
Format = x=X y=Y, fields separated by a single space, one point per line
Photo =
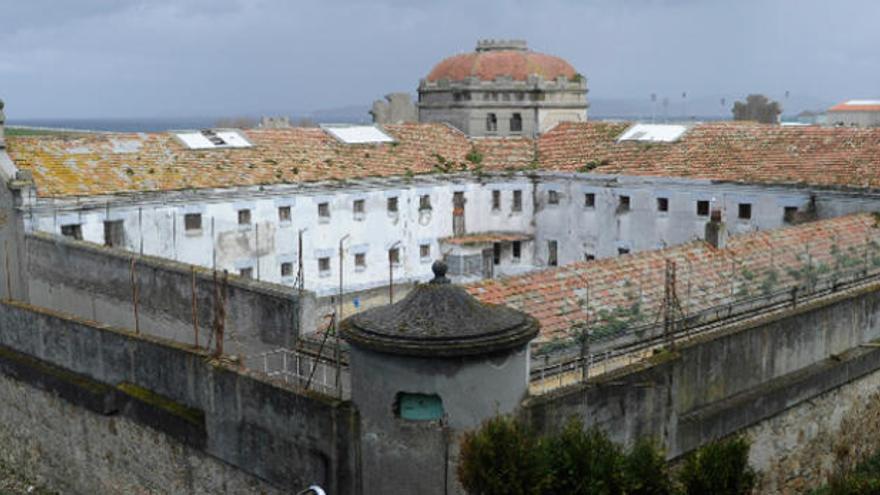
x=201 y=57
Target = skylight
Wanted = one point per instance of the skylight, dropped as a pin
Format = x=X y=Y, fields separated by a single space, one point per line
x=654 y=133
x=207 y=139
x=357 y=134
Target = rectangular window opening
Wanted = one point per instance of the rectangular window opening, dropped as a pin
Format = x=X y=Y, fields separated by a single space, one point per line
x=324 y=210
x=663 y=204
x=394 y=256
x=491 y=122
x=114 y=233
x=360 y=261
x=589 y=200
x=424 y=202
x=284 y=214
x=392 y=204
x=516 y=123
x=745 y=211
x=703 y=208
x=589 y=257
x=496 y=200
x=358 y=207
x=192 y=222
x=789 y=214
x=623 y=204
x=425 y=251
x=552 y=259
x=73 y=230
x=496 y=253
x=246 y=272
x=517 y=250
x=287 y=269
x=244 y=217
x=622 y=251
x=324 y=265
x=553 y=197
x=517 y=200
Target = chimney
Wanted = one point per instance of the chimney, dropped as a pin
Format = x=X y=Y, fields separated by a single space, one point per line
x=2 y=124
x=716 y=231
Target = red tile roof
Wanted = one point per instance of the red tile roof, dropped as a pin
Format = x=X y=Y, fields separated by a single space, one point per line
x=751 y=265
x=486 y=237
x=733 y=151
x=488 y=65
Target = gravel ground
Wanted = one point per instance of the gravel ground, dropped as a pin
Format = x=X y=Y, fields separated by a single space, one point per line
x=13 y=484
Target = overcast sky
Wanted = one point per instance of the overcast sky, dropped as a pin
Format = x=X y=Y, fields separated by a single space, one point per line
x=164 y=58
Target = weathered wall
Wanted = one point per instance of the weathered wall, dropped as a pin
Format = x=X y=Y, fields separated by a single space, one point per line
x=725 y=382
x=797 y=449
x=94 y=282
x=286 y=439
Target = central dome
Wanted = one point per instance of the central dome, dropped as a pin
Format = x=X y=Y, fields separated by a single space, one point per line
x=494 y=59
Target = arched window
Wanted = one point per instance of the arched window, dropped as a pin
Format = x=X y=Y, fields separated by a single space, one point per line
x=491 y=122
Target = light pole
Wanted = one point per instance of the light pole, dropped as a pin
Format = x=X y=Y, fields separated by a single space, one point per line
x=339 y=314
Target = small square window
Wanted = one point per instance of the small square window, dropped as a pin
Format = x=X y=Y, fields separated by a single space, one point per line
x=745 y=211
x=517 y=200
x=246 y=272
x=663 y=204
x=553 y=197
x=623 y=204
x=284 y=214
x=324 y=210
x=287 y=269
x=360 y=261
x=192 y=222
x=703 y=208
x=392 y=205
x=74 y=231
x=425 y=251
x=114 y=233
x=516 y=250
x=394 y=256
x=324 y=265
x=589 y=257
x=589 y=200
x=496 y=200
x=244 y=217
x=424 y=202
x=622 y=251
x=358 y=206
x=789 y=214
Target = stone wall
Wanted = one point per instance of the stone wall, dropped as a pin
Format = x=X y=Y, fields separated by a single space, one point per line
x=731 y=380
x=203 y=422
x=94 y=282
x=796 y=450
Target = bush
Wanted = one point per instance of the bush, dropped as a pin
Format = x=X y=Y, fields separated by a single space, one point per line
x=501 y=458
x=720 y=468
x=645 y=470
x=583 y=462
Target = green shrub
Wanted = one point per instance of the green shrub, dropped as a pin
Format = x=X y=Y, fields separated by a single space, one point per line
x=583 y=462
x=645 y=470
x=501 y=458
x=720 y=468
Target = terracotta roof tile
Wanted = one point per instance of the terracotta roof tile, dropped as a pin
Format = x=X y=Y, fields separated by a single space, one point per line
x=751 y=265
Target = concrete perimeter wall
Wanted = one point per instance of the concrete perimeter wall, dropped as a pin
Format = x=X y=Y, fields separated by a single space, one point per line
x=94 y=282
x=724 y=383
x=92 y=409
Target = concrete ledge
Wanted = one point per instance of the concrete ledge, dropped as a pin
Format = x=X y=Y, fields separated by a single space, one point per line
x=185 y=424
x=75 y=388
x=771 y=398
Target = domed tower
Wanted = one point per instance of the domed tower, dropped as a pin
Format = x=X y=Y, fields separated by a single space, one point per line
x=423 y=371
x=503 y=89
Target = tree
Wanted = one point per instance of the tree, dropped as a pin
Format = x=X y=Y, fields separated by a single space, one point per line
x=503 y=457
x=583 y=462
x=758 y=108
x=720 y=467
x=645 y=470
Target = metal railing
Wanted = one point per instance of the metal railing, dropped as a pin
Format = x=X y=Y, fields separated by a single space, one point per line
x=303 y=370
x=637 y=343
